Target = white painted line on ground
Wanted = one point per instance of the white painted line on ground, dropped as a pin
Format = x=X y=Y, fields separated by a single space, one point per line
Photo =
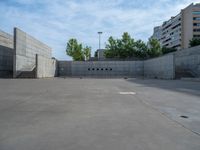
x=127 y=93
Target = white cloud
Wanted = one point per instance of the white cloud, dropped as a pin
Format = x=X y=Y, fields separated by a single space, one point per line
x=54 y=22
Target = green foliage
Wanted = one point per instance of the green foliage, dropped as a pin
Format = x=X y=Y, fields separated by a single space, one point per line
x=112 y=49
x=95 y=54
x=76 y=50
x=87 y=52
x=141 y=49
x=126 y=47
x=194 y=42
x=155 y=49
x=120 y=48
x=166 y=50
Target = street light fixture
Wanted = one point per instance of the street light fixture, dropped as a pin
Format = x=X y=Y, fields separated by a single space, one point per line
x=100 y=39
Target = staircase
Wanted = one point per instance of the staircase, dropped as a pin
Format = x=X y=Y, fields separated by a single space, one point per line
x=28 y=74
x=185 y=73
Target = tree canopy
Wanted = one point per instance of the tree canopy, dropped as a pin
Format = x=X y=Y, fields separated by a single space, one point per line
x=87 y=52
x=123 y=48
x=126 y=47
x=154 y=48
x=194 y=42
x=166 y=50
x=77 y=51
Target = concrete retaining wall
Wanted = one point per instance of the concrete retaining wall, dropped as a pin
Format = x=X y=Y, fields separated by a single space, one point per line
x=101 y=69
x=64 y=68
x=22 y=58
x=161 y=67
x=45 y=67
x=25 y=48
x=188 y=59
x=6 y=55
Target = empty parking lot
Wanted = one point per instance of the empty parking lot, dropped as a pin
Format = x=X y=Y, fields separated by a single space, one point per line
x=99 y=114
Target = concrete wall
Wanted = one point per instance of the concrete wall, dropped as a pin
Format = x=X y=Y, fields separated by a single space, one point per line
x=45 y=67
x=6 y=54
x=188 y=59
x=161 y=67
x=25 y=49
x=64 y=68
x=101 y=69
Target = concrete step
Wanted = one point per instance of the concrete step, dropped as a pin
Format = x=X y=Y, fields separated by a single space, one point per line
x=27 y=74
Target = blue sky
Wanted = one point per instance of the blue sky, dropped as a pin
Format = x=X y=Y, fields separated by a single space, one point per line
x=55 y=21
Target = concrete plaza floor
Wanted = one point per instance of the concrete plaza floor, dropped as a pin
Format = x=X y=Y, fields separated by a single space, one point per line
x=98 y=114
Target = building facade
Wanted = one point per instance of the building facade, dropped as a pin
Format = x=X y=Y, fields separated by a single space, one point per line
x=180 y=29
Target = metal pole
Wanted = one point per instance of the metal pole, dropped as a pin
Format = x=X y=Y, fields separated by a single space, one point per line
x=100 y=39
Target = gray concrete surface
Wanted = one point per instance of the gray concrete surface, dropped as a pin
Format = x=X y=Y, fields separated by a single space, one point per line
x=6 y=55
x=107 y=69
x=46 y=67
x=161 y=67
x=90 y=114
x=26 y=47
x=188 y=59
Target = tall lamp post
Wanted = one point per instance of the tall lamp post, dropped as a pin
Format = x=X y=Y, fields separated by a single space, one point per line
x=100 y=39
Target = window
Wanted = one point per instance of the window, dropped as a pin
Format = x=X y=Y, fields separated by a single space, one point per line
x=102 y=69
x=196 y=36
x=93 y=69
x=196 y=30
x=97 y=69
x=110 y=69
x=196 y=12
x=197 y=24
x=196 y=18
x=88 y=69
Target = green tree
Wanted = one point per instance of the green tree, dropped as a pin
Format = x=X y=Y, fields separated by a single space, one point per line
x=126 y=46
x=77 y=51
x=87 y=52
x=111 y=48
x=166 y=50
x=154 y=48
x=141 y=49
x=120 y=48
x=194 y=42
x=74 y=49
x=95 y=54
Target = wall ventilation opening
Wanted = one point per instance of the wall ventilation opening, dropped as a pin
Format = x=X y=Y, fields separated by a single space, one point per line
x=93 y=69
x=186 y=117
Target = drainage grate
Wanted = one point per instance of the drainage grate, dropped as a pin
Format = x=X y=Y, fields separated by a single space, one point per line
x=184 y=117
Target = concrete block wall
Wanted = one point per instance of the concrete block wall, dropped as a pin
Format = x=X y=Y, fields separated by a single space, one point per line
x=45 y=67
x=161 y=67
x=101 y=69
x=25 y=49
x=188 y=59
x=6 y=55
x=64 y=68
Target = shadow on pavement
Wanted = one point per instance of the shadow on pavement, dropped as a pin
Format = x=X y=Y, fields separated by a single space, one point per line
x=188 y=87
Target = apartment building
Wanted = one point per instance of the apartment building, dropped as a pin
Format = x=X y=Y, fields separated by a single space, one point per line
x=180 y=29
x=157 y=33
